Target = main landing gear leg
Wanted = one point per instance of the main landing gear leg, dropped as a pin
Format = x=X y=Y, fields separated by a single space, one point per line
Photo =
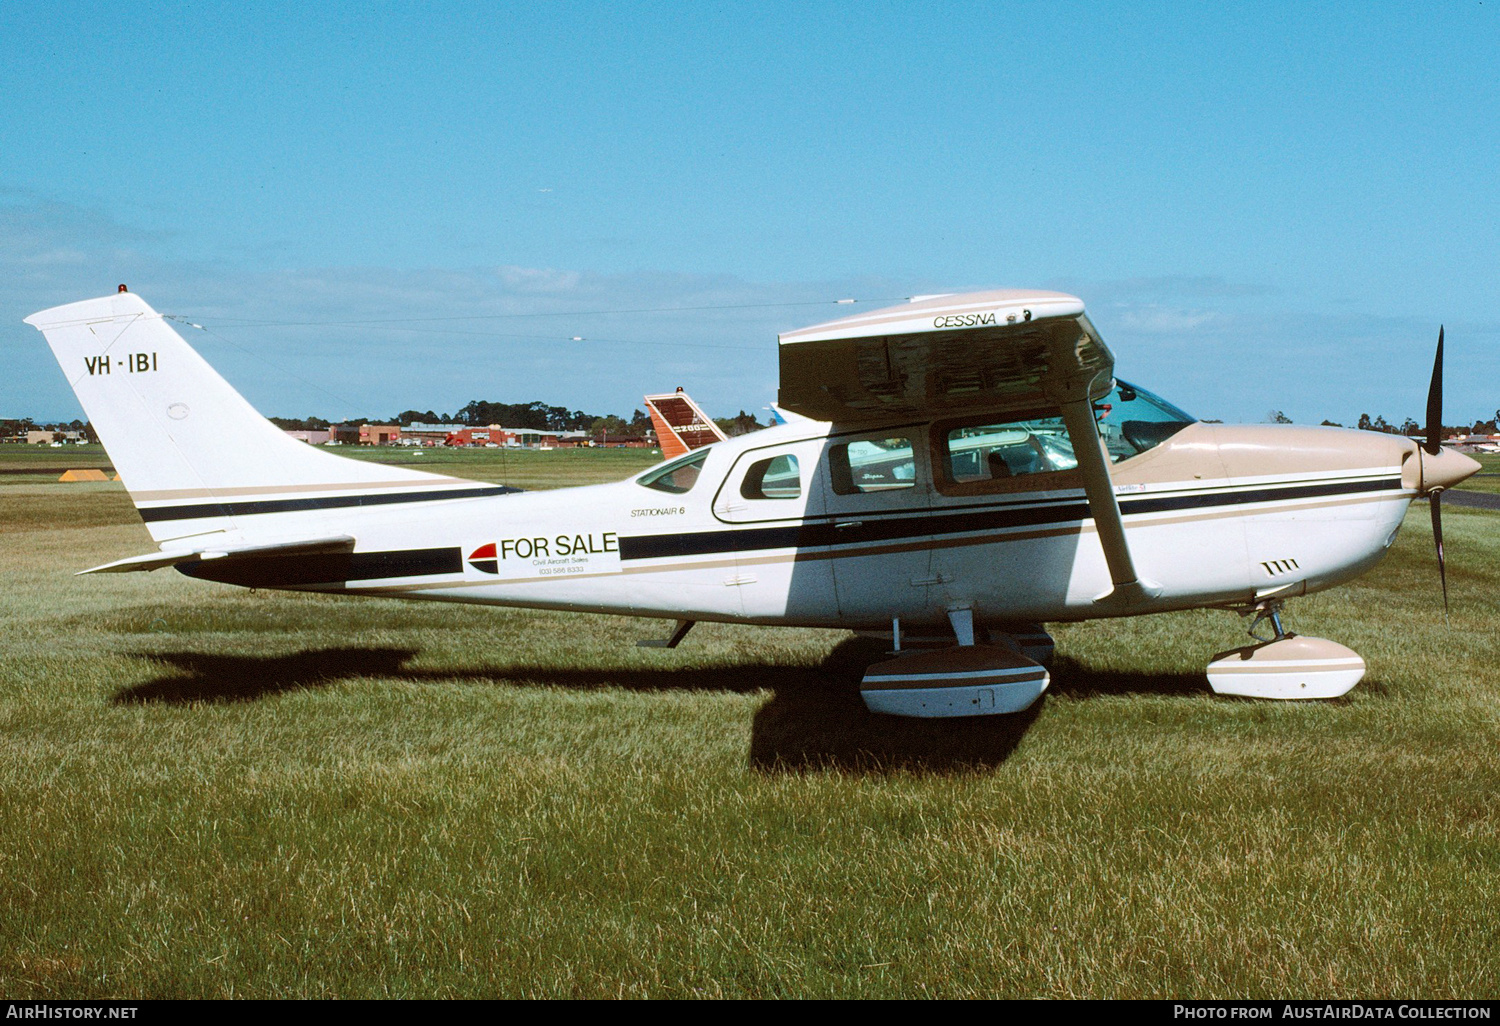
x=1285 y=665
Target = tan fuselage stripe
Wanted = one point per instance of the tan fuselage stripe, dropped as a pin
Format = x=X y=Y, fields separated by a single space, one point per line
x=348 y=486
x=1341 y=664
x=877 y=550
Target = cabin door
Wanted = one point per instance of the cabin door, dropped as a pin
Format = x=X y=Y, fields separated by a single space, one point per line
x=771 y=501
x=877 y=491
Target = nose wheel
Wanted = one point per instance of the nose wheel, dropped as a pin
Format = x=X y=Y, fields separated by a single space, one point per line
x=1284 y=665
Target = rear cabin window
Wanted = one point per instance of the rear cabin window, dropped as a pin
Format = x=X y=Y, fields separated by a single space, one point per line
x=675 y=478
x=775 y=478
x=872 y=465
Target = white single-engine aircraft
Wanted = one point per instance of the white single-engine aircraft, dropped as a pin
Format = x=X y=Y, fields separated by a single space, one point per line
x=962 y=463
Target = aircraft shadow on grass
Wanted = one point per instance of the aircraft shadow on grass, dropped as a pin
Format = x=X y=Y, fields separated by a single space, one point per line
x=815 y=718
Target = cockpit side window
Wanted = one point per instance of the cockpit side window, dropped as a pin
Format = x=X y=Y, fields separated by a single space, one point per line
x=1132 y=420
x=1027 y=454
x=675 y=478
x=1034 y=451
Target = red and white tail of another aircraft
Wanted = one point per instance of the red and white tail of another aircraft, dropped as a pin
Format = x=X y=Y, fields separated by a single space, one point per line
x=681 y=425
x=964 y=466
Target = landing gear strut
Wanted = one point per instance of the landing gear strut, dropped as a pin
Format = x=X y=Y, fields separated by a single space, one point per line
x=1267 y=611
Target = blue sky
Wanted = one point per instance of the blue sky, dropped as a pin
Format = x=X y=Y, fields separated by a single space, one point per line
x=1264 y=207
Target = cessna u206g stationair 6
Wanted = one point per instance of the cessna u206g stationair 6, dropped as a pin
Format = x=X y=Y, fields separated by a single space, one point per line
x=964 y=463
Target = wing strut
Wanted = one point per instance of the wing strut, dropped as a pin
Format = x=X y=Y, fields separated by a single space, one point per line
x=1093 y=464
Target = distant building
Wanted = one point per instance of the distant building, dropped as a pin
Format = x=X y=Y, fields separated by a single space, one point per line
x=365 y=434
x=527 y=438
x=317 y=437
x=425 y=434
x=46 y=436
x=465 y=436
x=1475 y=443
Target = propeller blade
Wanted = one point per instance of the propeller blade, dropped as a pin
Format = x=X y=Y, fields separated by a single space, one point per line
x=1435 y=402
x=1436 y=502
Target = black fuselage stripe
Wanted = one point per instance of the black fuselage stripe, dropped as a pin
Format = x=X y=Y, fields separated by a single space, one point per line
x=151 y=514
x=939 y=522
x=292 y=571
x=332 y=568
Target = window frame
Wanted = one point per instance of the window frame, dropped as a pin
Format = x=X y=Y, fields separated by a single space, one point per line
x=911 y=436
x=1052 y=480
x=760 y=479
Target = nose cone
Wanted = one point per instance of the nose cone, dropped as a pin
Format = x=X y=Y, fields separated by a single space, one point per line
x=1445 y=469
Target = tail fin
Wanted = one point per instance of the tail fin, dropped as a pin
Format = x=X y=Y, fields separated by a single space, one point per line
x=681 y=425
x=195 y=456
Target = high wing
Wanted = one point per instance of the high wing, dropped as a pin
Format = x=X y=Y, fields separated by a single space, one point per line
x=1008 y=350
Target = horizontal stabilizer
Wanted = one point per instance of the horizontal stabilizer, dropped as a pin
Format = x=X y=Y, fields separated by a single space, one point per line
x=224 y=550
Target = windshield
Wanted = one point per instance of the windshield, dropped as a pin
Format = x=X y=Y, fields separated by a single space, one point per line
x=1132 y=420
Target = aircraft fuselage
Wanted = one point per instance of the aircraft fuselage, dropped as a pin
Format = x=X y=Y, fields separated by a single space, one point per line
x=1214 y=515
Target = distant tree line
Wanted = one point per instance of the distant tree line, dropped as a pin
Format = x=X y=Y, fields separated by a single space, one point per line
x=541 y=417
x=741 y=424
x=1407 y=427
x=10 y=427
x=536 y=416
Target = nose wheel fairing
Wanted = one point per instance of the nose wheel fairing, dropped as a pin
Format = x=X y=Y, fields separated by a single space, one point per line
x=1284 y=666
x=1291 y=667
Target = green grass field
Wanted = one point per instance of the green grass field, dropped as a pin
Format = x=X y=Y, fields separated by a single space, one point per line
x=1488 y=479
x=209 y=792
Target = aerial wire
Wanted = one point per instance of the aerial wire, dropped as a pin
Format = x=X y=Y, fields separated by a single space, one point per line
x=555 y=313
x=401 y=324
x=347 y=403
